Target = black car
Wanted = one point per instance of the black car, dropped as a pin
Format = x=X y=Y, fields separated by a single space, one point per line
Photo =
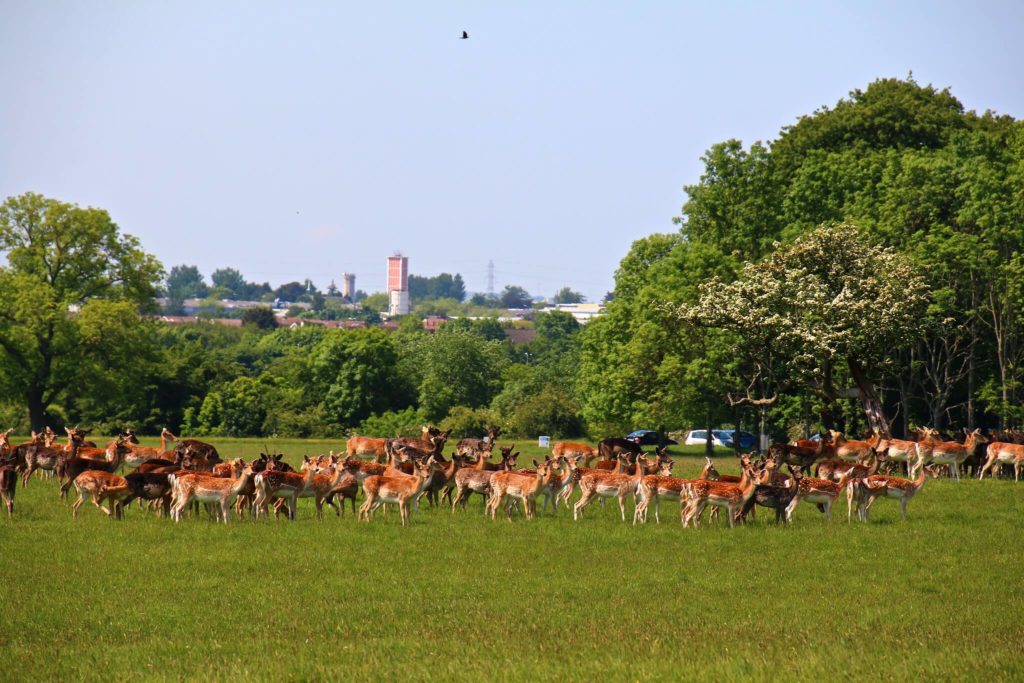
x=648 y=437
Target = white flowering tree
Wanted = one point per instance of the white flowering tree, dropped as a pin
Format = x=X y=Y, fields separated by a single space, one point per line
x=831 y=297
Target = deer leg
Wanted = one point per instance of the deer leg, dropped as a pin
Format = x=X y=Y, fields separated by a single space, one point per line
x=792 y=506
x=583 y=502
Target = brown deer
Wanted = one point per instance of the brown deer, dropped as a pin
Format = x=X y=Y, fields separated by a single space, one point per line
x=903 y=490
x=8 y=485
x=607 y=485
x=519 y=486
x=700 y=493
x=287 y=485
x=142 y=454
x=568 y=449
x=478 y=447
x=950 y=453
x=398 y=488
x=366 y=445
x=99 y=486
x=212 y=490
x=477 y=479
x=854 y=450
x=115 y=452
x=821 y=491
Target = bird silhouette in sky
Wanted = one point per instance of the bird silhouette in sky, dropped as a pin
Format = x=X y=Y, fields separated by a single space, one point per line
x=465 y=35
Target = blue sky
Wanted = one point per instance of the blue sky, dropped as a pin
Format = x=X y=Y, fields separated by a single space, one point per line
x=312 y=138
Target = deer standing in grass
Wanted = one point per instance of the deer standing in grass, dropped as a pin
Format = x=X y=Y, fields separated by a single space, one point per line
x=821 y=491
x=272 y=484
x=477 y=479
x=216 y=490
x=903 y=490
x=519 y=486
x=99 y=486
x=1003 y=453
x=700 y=493
x=607 y=485
x=951 y=453
x=396 y=488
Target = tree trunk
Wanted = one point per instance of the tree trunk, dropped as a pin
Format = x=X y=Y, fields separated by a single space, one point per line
x=709 y=446
x=869 y=399
x=36 y=409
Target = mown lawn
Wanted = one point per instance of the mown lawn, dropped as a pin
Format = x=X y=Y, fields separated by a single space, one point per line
x=462 y=597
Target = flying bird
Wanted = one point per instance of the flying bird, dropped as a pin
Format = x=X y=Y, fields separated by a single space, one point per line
x=465 y=35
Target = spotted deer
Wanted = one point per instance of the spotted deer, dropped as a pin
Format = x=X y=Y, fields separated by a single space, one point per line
x=608 y=485
x=821 y=491
x=398 y=488
x=519 y=486
x=477 y=479
x=272 y=484
x=700 y=493
x=1002 y=453
x=903 y=490
x=217 y=490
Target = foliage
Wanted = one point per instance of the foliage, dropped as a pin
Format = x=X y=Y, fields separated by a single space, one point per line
x=186 y=282
x=514 y=297
x=260 y=316
x=394 y=423
x=567 y=296
x=443 y=286
x=468 y=422
x=453 y=367
x=61 y=259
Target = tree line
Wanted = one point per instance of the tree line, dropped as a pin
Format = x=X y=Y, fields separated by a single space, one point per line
x=863 y=269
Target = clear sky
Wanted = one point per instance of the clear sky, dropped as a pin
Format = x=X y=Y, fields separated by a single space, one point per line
x=295 y=139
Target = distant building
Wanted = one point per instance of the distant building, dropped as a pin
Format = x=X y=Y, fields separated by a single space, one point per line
x=432 y=322
x=583 y=313
x=398 y=284
x=348 y=286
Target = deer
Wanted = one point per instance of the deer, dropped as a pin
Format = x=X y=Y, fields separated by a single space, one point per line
x=366 y=445
x=151 y=486
x=115 y=453
x=898 y=450
x=772 y=493
x=813 y=490
x=607 y=485
x=100 y=486
x=853 y=450
x=212 y=490
x=949 y=453
x=833 y=470
x=611 y=447
x=398 y=488
x=520 y=486
x=287 y=485
x=654 y=487
x=569 y=449
x=432 y=444
x=1004 y=454
x=903 y=490
x=8 y=486
x=477 y=479
x=142 y=454
x=39 y=456
x=478 y=447
x=328 y=476
x=441 y=479
x=800 y=456
x=700 y=493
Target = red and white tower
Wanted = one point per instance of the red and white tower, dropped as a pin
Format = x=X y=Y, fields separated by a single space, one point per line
x=398 y=284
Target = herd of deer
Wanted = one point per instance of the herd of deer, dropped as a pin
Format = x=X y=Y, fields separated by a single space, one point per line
x=403 y=471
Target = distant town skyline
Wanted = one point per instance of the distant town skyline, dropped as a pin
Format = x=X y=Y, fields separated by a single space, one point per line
x=314 y=139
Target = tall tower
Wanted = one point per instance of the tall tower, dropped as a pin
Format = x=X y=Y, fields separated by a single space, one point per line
x=398 y=284
x=348 y=286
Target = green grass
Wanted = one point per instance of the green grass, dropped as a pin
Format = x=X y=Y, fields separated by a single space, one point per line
x=461 y=597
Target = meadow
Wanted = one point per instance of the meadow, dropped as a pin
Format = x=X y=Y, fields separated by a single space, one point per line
x=459 y=597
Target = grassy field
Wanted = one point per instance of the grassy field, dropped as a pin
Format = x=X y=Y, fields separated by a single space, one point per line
x=462 y=597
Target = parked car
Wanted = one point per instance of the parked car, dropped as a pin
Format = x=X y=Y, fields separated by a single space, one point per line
x=720 y=437
x=648 y=437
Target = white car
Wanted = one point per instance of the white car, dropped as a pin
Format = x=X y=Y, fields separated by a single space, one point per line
x=719 y=437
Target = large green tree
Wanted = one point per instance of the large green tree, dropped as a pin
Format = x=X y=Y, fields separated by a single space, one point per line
x=60 y=259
